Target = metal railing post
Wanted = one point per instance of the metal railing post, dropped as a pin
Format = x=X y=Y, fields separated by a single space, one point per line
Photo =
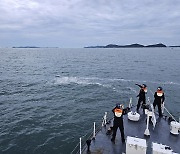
x=94 y=131
x=80 y=145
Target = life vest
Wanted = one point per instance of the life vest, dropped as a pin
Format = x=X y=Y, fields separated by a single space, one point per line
x=159 y=93
x=118 y=112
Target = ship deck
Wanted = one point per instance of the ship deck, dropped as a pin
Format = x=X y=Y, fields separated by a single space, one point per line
x=160 y=134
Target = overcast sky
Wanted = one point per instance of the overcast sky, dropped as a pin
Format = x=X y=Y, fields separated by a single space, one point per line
x=79 y=23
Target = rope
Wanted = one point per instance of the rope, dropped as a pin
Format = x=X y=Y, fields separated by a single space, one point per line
x=170 y=113
x=151 y=92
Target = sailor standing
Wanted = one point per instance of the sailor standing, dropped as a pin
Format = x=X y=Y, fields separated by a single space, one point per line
x=118 y=121
x=159 y=100
x=141 y=95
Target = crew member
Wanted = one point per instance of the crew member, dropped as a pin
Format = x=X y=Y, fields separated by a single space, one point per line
x=141 y=95
x=159 y=100
x=118 y=121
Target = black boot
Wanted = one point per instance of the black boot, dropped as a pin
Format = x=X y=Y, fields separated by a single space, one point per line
x=113 y=140
x=123 y=140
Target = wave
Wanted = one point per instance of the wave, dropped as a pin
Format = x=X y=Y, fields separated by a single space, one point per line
x=104 y=82
x=171 y=83
x=87 y=80
x=78 y=80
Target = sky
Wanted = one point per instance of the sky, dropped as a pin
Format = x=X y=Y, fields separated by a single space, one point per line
x=79 y=23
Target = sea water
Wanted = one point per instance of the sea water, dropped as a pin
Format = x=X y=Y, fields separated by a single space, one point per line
x=50 y=97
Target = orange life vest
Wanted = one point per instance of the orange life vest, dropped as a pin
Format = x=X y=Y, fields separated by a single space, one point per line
x=145 y=90
x=159 y=93
x=118 y=112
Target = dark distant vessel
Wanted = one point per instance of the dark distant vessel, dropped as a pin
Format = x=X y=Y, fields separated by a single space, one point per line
x=146 y=133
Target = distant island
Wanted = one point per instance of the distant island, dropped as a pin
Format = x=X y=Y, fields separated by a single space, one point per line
x=129 y=46
x=26 y=47
x=33 y=47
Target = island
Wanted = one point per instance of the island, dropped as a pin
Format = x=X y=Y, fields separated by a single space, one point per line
x=33 y=47
x=129 y=46
x=26 y=47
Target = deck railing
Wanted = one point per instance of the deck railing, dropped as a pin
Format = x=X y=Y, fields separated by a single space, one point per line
x=81 y=146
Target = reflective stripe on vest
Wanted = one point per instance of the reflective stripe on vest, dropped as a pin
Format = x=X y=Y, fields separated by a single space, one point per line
x=144 y=89
x=159 y=93
x=118 y=112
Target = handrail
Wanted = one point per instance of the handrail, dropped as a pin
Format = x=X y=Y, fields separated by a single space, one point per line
x=76 y=147
x=84 y=138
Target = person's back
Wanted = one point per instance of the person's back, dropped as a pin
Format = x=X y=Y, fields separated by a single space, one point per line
x=142 y=95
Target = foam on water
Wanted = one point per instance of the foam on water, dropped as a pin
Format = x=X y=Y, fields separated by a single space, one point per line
x=69 y=80
x=107 y=83
x=80 y=81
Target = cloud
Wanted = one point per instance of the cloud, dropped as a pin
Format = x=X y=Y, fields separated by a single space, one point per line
x=79 y=22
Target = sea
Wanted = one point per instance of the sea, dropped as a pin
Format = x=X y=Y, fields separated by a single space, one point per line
x=50 y=97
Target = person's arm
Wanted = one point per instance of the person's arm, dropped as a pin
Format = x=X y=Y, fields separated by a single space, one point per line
x=138 y=85
x=113 y=110
x=163 y=98
x=126 y=110
x=155 y=94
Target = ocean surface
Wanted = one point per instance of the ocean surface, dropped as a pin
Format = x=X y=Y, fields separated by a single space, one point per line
x=50 y=97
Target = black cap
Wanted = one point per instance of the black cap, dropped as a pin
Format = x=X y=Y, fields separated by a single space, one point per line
x=159 y=88
x=118 y=105
x=144 y=85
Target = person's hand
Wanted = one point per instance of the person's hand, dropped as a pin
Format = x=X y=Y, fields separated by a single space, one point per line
x=128 y=108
